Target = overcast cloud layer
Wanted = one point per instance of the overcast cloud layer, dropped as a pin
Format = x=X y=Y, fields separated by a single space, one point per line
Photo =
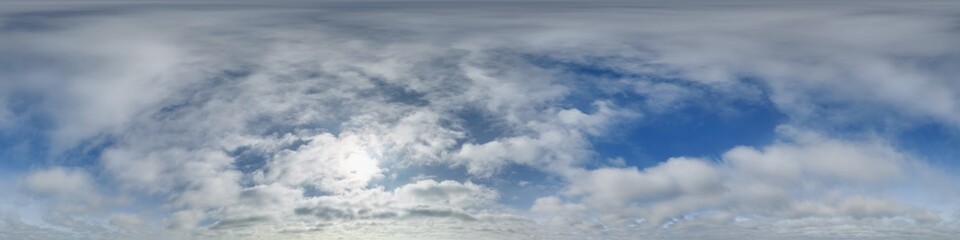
x=480 y=120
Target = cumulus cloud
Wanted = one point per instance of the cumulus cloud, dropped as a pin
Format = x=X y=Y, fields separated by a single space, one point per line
x=809 y=154
x=328 y=163
x=63 y=183
x=786 y=181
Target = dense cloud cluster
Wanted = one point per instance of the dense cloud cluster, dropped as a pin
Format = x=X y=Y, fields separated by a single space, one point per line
x=417 y=120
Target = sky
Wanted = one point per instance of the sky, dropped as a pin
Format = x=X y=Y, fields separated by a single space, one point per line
x=689 y=119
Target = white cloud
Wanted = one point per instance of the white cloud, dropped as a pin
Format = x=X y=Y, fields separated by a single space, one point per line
x=619 y=187
x=329 y=163
x=556 y=143
x=812 y=154
x=192 y=179
x=63 y=183
x=785 y=181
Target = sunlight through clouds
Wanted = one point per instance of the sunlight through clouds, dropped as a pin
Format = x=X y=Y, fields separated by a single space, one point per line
x=688 y=119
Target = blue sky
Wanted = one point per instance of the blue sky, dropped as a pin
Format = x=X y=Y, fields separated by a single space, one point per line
x=479 y=120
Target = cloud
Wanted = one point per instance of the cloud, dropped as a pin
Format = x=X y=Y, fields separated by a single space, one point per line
x=556 y=144
x=617 y=187
x=193 y=179
x=785 y=181
x=812 y=154
x=64 y=184
x=430 y=192
x=296 y=120
x=328 y=163
x=267 y=209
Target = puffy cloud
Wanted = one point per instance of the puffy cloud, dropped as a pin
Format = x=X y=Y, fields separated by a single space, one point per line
x=618 y=187
x=785 y=181
x=328 y=163
x=192 y=178
x=812 y=154
x=63 y=183
x=556 y=143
